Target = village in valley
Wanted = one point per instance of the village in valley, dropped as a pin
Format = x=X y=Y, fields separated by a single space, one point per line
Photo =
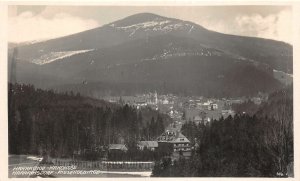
x=196 y=109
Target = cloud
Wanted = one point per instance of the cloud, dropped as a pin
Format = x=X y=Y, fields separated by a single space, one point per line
x=56 y=21
x=273 y=26
x=29 y=27
x=276 y=26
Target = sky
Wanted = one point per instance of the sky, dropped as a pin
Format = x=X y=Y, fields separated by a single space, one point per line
x=35 y=23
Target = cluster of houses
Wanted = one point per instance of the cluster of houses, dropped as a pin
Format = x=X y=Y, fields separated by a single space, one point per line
x=200 y=104
x=173 y=142
x=176 y=106
x=142 y=100
x=153 y=100
x=203 y=111
x=137 y=100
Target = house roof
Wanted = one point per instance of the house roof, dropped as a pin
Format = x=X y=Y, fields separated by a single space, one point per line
x=117 y=147
x=180 y=138
x=151 y=144
x=173 y=138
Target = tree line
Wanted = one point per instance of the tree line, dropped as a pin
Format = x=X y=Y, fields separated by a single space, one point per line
x=68 y=124
x=259 y=145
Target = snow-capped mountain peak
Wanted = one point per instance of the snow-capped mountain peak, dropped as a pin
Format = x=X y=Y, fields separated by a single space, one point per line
x=147 y=22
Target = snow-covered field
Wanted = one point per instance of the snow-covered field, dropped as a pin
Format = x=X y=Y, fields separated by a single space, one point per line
x=54 y=56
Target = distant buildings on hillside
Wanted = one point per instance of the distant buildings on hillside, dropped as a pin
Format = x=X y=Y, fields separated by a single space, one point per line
x=190 y=108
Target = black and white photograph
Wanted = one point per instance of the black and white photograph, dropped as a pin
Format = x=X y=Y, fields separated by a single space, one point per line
x=108 y=91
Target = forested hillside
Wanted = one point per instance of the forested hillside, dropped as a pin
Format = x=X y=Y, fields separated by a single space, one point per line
x=61 y=123
x=241 y=146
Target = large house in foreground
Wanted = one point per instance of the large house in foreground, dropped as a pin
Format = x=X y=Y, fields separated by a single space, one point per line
x=176 y=143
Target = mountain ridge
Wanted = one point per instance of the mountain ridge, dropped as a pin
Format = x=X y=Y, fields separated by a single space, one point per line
x=126 y=46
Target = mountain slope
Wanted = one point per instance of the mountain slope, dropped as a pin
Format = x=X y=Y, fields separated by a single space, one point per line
x=149 y=52
x=276 y=54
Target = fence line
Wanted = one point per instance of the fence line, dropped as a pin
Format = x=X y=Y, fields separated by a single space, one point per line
x=106 y=165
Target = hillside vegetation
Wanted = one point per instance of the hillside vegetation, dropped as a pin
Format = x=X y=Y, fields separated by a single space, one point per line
x=241 y=146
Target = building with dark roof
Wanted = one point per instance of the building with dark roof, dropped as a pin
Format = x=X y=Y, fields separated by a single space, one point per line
x=175 y=143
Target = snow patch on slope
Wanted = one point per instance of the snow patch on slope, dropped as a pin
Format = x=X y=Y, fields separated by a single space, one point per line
x=53 y=56
x=281 y=72
x=177 y=51
x=154 y=25
x=144 y=25
x=283 y=77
